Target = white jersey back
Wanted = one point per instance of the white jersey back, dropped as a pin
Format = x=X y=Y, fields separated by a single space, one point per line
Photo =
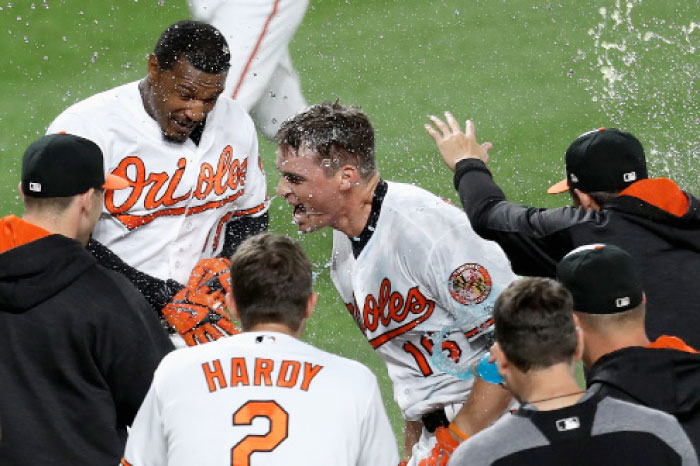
x=180 y=194
x=423 y=280
x=261 y=398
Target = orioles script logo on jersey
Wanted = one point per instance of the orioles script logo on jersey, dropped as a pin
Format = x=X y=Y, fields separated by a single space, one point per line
x=156 y=190
x=470 y=284
x=391 y=307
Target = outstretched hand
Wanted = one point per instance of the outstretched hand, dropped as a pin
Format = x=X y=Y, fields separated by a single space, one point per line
x=455 y=145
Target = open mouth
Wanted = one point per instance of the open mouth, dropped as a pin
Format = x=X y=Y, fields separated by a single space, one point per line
x=299 y=211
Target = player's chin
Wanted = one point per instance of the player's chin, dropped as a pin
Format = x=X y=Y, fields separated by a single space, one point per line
x=175 y=137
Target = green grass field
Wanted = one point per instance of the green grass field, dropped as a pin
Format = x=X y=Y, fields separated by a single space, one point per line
x=530 y=73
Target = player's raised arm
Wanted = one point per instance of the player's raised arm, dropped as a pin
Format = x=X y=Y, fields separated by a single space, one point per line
x=455 y=145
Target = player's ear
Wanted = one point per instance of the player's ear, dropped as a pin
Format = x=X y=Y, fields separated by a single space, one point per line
x=349 y=176
x=580 y=345
x=311 y=304
x=153 y=69
x=231 y=306
x=500 y=356
x=585 y=200
x=20 y=191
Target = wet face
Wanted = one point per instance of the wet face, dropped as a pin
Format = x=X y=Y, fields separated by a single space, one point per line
x=180 y=99
x=314 y=196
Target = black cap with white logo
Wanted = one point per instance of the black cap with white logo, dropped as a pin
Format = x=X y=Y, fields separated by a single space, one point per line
x=603 y=279
x=605 y=159
x=62 y=165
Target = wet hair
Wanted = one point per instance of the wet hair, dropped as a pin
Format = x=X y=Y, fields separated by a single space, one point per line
x=270 y=281
x=201 y=44
x=338 y=134
x=534 y=323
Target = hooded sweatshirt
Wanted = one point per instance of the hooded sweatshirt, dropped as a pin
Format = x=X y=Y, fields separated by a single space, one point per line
x=78 y=350
x=660 y=376
x=653 y=220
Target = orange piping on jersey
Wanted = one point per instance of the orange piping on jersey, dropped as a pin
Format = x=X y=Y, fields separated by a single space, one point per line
x=660 y=192
x=383 y=338
x=125 y=462
x=135 y=221
x=666 y=341
x=225 y=218
x=15 y=232
x=255 y=50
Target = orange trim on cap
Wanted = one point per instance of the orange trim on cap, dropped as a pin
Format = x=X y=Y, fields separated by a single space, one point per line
x=559 y=188
x=660 y=192
x=667 y=341
x=115 y=182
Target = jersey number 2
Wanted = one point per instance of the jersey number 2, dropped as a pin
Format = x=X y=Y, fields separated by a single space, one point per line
x=279 y=427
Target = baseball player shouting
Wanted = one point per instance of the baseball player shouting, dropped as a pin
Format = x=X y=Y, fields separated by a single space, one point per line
x=263 y=397
x=408 y=266
x=196 y=184
x=262 y=77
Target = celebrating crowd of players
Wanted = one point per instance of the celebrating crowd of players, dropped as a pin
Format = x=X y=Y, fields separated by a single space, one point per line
x=177 y=227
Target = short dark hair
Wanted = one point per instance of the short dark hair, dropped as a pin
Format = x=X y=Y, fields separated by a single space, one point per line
x=202 y=45
x=534 y=323
x=48 y=205
x=270 y=281
x=337 y=133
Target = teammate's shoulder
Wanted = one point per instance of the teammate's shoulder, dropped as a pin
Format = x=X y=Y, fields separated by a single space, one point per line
x=101 y=106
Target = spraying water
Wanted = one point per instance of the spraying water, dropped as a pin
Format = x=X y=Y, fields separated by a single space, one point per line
x=649 y=85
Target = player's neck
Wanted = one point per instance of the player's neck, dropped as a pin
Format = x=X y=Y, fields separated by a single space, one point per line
x=551 y=388
x=598 y=344
x=273 y=327
x=359 y=207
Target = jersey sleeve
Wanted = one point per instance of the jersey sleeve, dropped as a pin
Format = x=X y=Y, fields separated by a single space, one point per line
x=378 y=442
x=146 y=445
x=466 y=273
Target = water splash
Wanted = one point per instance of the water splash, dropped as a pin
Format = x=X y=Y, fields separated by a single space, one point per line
x=470 y=317
x=648 y=85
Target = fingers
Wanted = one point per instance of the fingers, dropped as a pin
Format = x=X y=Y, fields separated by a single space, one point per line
x=440 y=125
x=433 y=134
x=452 y=122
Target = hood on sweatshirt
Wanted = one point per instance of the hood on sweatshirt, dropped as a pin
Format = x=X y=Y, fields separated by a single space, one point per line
x=36 y=265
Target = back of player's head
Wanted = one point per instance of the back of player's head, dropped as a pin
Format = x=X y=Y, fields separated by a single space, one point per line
x=58 y=167
x=201 y=44
x=606 y=285
x=534 y=323
x=338 y=134
x=271 y=281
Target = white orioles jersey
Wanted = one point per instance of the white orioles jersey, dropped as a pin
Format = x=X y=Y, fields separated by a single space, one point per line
x=261 y=398
x=424 y=280
x=181 y=194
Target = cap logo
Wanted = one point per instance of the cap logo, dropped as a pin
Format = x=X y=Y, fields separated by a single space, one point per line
x=631 y=176
x=574 y=178
x=622 y=302
x=36 y=187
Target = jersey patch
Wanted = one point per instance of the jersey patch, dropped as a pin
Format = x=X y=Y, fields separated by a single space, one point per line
x=470 y=284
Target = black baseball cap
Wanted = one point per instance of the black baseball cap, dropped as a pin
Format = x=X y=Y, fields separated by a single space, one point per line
x=605 y=159
x=602 y=278
x=61 y=165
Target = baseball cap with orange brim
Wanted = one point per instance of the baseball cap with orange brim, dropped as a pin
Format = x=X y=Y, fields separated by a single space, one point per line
x=62 y=165
x=605 y=159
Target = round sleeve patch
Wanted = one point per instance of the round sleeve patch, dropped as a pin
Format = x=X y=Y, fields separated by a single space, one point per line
x=470 y=284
